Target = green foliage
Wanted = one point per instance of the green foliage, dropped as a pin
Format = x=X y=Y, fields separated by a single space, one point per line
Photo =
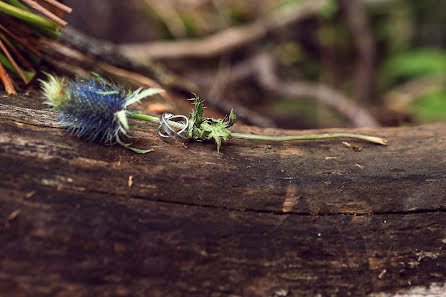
x=408 y=44
x=8 y=65
x=289 y=4
x=431 y=107
x=289 y=53
x=329 y=9
x=43 y=25
x=190 y=25
x=414 y=63
x=201 y=128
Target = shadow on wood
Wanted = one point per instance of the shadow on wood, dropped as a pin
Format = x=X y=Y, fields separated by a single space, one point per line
x=258 y=219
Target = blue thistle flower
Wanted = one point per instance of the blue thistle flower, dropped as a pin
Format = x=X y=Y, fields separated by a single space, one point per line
x=93 y=109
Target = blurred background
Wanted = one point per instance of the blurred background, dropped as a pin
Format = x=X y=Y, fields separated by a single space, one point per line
x=287 y=63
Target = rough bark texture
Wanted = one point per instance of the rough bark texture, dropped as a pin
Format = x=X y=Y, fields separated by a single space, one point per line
x=258 y=219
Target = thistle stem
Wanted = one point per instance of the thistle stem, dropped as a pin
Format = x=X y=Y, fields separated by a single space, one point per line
x=139 y=116
x=373 y=139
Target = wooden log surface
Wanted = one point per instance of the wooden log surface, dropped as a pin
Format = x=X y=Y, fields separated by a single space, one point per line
x=309 y=218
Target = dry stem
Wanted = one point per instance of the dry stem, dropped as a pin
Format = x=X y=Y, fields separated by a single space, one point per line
x=45 y=12
x=11 y=59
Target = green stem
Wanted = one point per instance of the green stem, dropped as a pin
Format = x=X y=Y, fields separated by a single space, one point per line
x=28 y=16
x=18 y=4
x=373 y=139
x=139 y=116
x=377 y=140
x=8 y=65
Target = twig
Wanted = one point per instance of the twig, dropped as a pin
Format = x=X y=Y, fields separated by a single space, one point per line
x=20 y=40
x=202 y=48
x=45 y=12
x=29 y=17
x=243 y=113
x=9 y=88
x=365 y=44
x=20 y=30
x=213 y=97
x=321 y=93
x=17 y=54
x=59 y=5
x=262 y=68
x=170 y=17
x=220 y=42
x=11 y=59
x=136 y=78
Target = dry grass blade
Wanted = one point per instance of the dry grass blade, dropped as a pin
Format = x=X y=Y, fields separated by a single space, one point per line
x=9 y=88
x=17 y=54
x=59 y=5
x=45 y=12
x=11 y=59
x=22 y=24
x=21 y=41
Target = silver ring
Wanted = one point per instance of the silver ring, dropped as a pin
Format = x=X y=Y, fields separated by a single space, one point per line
x=166 y=128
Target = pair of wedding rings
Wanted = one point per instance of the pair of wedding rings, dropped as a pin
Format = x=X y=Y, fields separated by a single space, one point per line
x=165 y=129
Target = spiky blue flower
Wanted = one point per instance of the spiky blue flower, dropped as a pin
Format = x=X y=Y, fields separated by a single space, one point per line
x=93 y=109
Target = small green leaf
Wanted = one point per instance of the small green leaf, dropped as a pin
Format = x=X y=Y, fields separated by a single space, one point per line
x=100 y=78
x=139 y=151
x=201 y=128
x=415 y=63
x=218 y=142
x=139 y=94
x=122 y=117
x=107 y=92
x=128 y=146
x=232 y=118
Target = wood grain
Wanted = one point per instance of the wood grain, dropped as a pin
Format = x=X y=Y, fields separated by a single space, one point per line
x=258 y=219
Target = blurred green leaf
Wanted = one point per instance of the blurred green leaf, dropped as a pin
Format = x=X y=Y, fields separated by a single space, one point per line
x=8 y=65
x=289 y=53
x=415 y=63
x=190 y=24
x=289 y=5
x=431 y=107
x=329 y=9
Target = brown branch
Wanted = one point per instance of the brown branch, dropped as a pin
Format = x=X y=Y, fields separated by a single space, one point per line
x=321 y=93
x=14 y=64
x=45 y=12
x=135 y=78
x=22 y=60
x=365 y=44
x=199 y=48
x=220 y=42
x=213 y=95
x=246 y=114
x=9 y=87
x=20 y=40
x=20 y=30
x=262 y=68
x=59 y=5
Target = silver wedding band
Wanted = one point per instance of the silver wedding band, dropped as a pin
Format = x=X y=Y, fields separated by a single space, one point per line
x=164 y=127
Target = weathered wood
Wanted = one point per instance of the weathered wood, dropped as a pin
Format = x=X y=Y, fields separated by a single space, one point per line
x=257 y=219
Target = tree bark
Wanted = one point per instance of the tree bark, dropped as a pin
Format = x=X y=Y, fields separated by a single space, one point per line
x=257 y=219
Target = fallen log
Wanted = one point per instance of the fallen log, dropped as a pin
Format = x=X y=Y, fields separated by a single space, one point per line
x=257 y=219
